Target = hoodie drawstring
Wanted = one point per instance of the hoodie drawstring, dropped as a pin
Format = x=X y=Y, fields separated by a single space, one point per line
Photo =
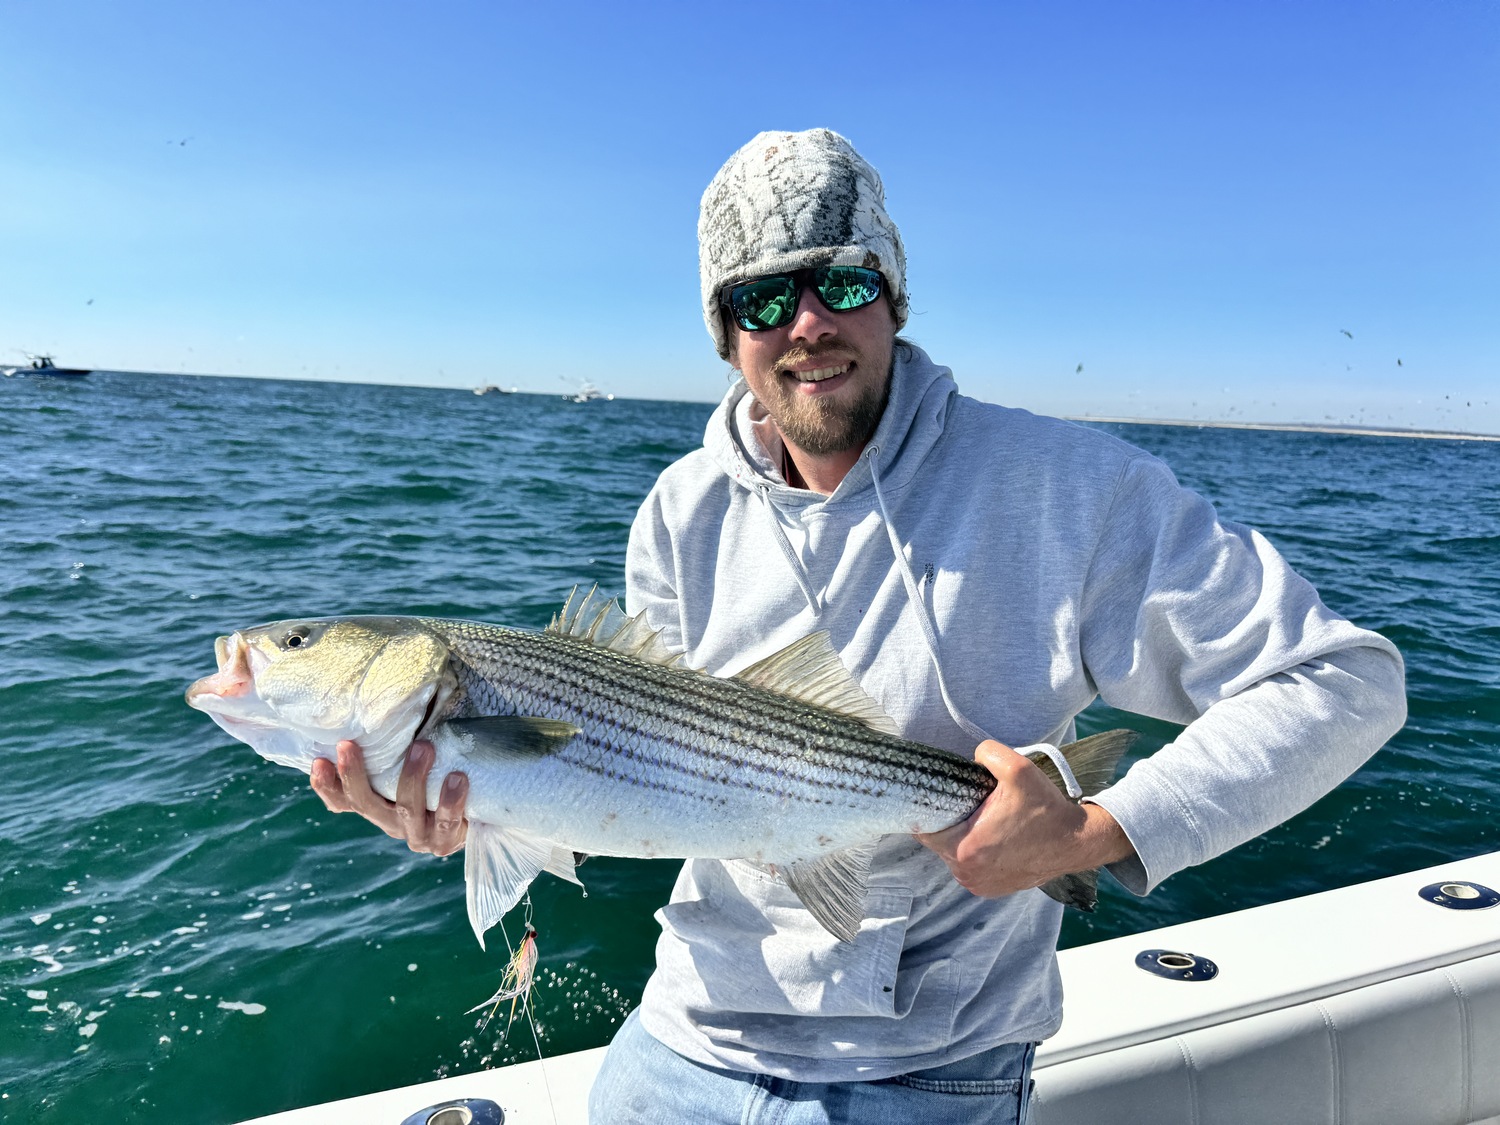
x=779 y=532
x=929 y=634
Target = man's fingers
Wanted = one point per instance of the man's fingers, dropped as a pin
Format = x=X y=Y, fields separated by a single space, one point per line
x=361 y=798
x=411 y=797
x=352 y=765
x=328 y=787
x=346 y=788
x=944 y=842
x=449 y=826
x=998 y=758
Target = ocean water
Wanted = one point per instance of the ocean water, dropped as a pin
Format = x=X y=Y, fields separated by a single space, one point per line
x=186 y=935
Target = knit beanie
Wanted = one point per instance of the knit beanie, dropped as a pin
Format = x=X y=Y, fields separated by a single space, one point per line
x=791 y=201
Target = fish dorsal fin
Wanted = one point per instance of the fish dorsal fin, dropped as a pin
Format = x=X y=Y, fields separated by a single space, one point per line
x=810 y=670
x=576 y=611
x=600 y=621
x=508 y=738
x=834 y=887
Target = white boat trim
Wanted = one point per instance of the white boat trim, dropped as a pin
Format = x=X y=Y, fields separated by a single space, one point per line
x=1364 y=1003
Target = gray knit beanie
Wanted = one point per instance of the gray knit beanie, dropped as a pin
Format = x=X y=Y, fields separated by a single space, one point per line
x=790 y=201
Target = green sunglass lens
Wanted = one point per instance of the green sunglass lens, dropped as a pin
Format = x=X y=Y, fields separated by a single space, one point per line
x=772 y=301
x=764 y=304
x=848 y=287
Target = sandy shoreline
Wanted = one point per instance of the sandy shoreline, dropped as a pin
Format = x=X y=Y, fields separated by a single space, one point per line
x=1303 y=427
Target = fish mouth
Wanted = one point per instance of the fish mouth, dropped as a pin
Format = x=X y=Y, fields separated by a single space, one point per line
x=235 y=678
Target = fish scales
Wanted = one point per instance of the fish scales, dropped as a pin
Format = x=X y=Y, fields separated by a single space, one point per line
x=701 y=709
x=767 y=736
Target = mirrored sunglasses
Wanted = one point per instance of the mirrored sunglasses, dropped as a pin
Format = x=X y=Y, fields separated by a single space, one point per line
x=770 y=302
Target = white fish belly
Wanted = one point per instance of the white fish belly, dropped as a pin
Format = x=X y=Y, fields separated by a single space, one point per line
x=614 y=806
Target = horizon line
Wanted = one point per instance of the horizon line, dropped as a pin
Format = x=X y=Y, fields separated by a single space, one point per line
x=1289 y=427
x=1294 y=427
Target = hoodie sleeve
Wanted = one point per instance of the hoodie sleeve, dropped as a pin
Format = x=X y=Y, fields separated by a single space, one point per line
x=1201 y=622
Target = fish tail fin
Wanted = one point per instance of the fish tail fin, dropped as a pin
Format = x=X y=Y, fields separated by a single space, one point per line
x=1093 y=761
x=1080 y=889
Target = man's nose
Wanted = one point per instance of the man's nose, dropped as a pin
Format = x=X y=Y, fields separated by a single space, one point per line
x=813 y=321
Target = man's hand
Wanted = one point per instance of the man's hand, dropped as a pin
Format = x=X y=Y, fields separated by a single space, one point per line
x=1026 y=833
x=346 y=788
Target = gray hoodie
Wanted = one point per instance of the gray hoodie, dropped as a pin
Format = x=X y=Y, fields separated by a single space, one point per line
x=982 y=572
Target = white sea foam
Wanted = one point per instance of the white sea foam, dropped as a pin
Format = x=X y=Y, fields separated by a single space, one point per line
x=240 y=1006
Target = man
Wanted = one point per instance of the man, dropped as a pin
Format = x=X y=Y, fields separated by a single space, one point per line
x=985 y=574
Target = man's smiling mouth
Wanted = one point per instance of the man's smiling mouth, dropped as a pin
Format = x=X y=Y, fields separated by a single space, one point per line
x=819 y=374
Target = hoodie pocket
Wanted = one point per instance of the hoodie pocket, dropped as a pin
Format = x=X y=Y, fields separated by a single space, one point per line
x=756 y=949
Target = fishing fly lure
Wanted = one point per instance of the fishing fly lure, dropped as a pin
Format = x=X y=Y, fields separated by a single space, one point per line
x=515 y=982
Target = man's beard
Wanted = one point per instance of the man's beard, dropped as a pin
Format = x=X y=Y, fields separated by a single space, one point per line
x=822 y=426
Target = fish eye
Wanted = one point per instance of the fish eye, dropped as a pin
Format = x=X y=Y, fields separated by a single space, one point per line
x=295 y=638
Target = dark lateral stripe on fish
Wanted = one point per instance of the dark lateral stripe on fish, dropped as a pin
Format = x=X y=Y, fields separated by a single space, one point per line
x=646 y=782
x=570 y=677
x=735 y=777
x=758 y=715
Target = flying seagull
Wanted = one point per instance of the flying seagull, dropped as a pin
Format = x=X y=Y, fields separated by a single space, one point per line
x=1346 y=332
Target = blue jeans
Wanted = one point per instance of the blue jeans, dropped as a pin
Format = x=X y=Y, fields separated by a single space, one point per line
x=645 y=1083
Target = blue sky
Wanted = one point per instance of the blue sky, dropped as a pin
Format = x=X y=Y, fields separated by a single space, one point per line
x=1194 y=201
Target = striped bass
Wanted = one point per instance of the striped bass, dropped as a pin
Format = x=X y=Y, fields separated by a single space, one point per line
x=592 y=738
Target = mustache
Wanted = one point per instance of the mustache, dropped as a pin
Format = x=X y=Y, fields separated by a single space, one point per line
x=825 y=356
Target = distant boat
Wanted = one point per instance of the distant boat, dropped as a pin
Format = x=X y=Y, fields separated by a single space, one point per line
x=491 y=389
x=43 y=365
x=587 y=392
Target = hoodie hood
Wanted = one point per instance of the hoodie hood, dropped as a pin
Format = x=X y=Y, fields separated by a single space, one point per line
x=915 y=413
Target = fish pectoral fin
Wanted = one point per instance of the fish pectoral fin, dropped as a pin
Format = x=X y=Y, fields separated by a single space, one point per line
x=499 y=864
x=509 y=737
x=1081 y=889
x=1093 y=761
x=810 y=670
x=834 y=887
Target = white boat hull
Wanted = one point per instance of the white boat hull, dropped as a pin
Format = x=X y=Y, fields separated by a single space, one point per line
x=1362 y=1004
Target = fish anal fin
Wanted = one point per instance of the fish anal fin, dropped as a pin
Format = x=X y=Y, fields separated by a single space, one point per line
x=811 y=672
x=499 y=864
x=510 y=737
x=562 y=862
x=833 y=888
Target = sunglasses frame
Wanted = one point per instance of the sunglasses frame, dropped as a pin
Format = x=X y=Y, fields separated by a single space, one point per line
x=801 y=279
